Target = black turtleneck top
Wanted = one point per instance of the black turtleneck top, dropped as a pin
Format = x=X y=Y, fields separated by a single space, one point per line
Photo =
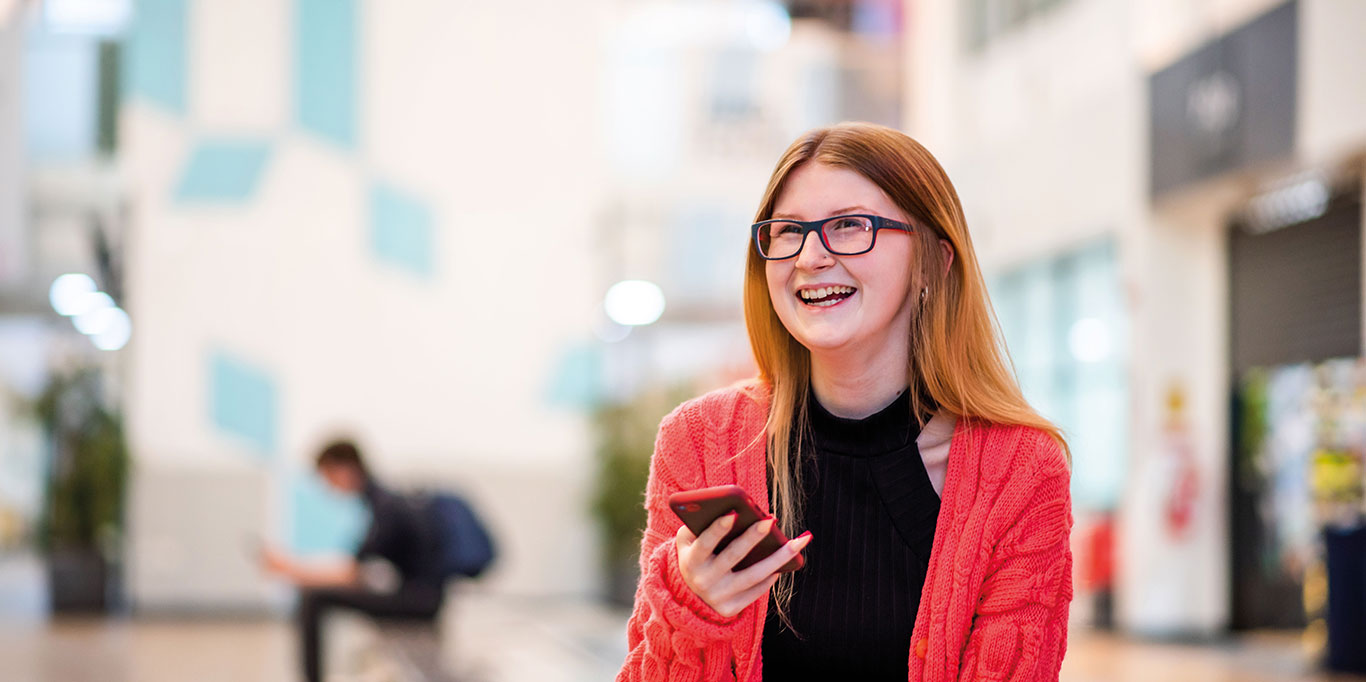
x=872 y=510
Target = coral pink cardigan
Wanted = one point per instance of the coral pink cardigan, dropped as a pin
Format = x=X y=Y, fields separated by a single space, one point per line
x=996 y=594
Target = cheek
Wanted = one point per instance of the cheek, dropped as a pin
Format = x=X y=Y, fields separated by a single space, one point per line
x=890 y=277
x=776 y=273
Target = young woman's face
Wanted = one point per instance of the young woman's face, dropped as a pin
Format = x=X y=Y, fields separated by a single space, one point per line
x=878 y=311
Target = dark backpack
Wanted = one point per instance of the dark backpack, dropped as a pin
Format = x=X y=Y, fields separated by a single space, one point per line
x=464 y=547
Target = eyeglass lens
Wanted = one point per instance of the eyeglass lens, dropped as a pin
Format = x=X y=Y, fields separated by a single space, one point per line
x=843 y=235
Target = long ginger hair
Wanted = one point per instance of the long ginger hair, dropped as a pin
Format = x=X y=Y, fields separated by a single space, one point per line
x=957 y=357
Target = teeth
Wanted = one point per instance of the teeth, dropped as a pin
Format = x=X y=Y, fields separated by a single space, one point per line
x=812 y=294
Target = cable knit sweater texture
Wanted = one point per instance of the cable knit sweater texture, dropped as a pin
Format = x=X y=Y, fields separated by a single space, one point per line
x=996 y=596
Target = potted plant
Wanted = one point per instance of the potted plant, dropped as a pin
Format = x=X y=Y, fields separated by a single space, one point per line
x=625 y=439
x=82 y=517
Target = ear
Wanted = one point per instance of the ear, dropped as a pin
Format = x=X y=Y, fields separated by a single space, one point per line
x=947 y=248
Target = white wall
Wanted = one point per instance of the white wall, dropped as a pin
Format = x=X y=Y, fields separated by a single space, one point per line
x=1171 y=583
x=1165 y=30
x=1332 y=70
x=1040 y=133
x=482 y=112
x=13 y=242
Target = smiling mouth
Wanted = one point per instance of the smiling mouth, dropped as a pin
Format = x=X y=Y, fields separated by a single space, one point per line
x=825 y=297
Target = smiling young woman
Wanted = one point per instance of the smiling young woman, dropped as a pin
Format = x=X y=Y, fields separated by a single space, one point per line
x=885 y=423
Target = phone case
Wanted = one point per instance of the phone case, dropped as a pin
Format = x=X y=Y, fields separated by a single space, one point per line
x=698 y=509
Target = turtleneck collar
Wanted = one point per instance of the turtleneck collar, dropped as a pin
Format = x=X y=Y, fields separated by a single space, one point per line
x=888 y=430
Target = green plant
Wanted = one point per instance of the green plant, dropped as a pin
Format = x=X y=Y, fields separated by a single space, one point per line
x=88 y=464
x=625 y=439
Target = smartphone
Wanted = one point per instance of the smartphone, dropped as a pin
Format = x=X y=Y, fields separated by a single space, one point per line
x=699 y=508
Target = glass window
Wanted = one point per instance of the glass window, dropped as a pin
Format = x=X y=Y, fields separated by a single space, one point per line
x=1065 y=327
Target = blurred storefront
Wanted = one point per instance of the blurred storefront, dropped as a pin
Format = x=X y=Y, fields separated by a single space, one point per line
x=1217 y=151
x=1249 y=145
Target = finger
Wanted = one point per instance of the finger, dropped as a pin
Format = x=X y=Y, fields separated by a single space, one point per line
x=684 y=537
x=774 y=561
x=711 y=537
x=747 y=597
x=741 y=546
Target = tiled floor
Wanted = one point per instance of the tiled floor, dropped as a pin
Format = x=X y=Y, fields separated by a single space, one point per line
x=495 y=639
x=503 y=639
x=1093 y=657
x=511 y=640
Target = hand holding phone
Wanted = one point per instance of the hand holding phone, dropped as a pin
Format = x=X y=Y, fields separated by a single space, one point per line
x=729 y=552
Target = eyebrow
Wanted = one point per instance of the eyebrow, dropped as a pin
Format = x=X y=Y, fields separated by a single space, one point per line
x=843 y=211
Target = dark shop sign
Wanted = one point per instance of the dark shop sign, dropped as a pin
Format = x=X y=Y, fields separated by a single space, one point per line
x=1227 y=105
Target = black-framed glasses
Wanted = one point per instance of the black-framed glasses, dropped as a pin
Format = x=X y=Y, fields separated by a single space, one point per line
x=842 y=235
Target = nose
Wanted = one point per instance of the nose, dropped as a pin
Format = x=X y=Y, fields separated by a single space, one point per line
x=813 y=255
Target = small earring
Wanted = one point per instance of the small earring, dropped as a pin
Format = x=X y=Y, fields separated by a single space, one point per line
x=923 y=293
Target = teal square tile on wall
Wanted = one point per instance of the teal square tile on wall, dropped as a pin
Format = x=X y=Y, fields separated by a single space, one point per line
x=326 y=69
x=156 y=45
x=401 y=230
x=244 y=403
x=576 y=381
x=223 y=171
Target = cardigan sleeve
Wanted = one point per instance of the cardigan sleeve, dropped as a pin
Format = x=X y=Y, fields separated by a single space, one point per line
x=672 y=634
x=1019 y=631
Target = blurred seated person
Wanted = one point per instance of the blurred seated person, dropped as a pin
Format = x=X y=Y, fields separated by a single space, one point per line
x=399 y=533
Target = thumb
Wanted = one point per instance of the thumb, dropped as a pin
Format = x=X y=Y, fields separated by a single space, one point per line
x=684 y=537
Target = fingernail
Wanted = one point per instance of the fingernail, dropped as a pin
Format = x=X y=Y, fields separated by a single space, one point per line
x=729 y=518
x=804 y=537
x=768 y=525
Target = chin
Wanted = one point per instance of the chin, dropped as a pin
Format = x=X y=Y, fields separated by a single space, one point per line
x=822 y=343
